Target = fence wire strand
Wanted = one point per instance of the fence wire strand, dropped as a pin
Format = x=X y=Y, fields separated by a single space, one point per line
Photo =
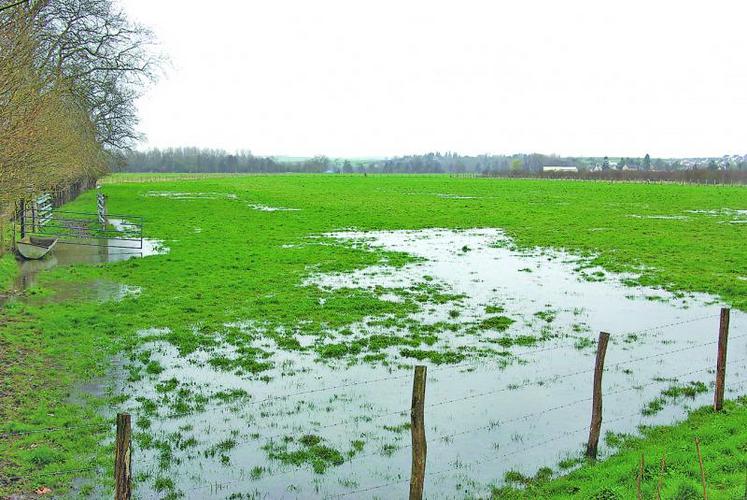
x=469 y=431
x=466 y=365
x=10 y=434
x=523 y=449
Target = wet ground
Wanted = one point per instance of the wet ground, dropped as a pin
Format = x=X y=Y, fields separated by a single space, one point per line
x=523 y=325
x=72 y=251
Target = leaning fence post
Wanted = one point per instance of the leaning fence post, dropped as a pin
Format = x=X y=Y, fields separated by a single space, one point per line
x=417 y=430
x=596 y=407
x=123 y=458
x=723 y=337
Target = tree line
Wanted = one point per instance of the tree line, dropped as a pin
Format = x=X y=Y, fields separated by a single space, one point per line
x=193 y=160
x=70 y=71
x=190 y=160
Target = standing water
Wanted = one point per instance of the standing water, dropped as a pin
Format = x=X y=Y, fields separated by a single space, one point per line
x=71 y=251
x=509 y=382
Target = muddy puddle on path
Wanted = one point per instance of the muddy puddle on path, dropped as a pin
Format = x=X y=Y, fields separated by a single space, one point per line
x=82 y=251
x=307 y=428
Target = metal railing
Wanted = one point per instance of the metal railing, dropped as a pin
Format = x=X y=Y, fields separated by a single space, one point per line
x=81 y=228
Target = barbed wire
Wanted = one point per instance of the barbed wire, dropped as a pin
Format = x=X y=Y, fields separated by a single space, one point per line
x=238 y=481
x=523 y=449
x=467 y=365
x=224 y=406
x=671 y=325
x=55 y=473
x=442 y=437
x=482 y=394
x=379 y=416
x=469 y=431
x=440 y=403
x=11 y=433
x=667 y=353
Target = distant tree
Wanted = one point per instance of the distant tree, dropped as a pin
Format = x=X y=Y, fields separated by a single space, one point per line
x=516 y=165
x=347 y=167
x=534 y=162
x=646 y=162
x=606 y=163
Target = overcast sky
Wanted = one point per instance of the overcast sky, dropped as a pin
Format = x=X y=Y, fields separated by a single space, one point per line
x=383 y=78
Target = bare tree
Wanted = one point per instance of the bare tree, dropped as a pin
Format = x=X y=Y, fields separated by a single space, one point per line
x=106 y=58
x=70 y=71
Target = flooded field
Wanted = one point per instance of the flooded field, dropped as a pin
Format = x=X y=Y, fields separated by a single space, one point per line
x=509 y=386
x=264 y=337
x=73 y=251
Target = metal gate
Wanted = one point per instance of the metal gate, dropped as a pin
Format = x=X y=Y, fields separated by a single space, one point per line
x=37 y=218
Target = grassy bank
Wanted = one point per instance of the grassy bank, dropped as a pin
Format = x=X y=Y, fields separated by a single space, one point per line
x=723 y=439
x=8 y=271
x=230 y=261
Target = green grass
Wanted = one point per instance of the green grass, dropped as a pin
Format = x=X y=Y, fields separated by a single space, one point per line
x=245 y=264
x=723 y=442
x=8 y=271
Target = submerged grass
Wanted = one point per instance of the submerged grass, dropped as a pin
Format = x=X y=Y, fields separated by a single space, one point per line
x=308 y=449
x=229 y=262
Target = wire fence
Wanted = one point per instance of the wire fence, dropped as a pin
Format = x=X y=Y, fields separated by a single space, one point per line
x=123 y=471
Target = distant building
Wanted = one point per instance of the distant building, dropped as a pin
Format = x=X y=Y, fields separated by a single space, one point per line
x=559 y=168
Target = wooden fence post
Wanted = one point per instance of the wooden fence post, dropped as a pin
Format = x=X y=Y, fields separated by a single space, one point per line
x=723 y=337
x=123 y=458
x=596 y=409
x=417 y=429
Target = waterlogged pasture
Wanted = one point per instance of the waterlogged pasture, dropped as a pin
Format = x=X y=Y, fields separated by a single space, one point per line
x=269 y=352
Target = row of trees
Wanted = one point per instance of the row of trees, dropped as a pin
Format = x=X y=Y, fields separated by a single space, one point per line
x=218 y=161
x=196 y=160
x=455 y=163
x=70 y=71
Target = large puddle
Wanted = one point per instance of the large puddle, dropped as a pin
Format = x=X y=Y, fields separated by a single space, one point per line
x=73 y=251
x=522 y=326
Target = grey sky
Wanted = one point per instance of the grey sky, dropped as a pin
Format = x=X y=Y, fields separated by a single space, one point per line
x=379 y=78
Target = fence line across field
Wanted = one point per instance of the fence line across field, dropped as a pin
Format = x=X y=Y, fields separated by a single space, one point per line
x=442 y=437
x=244 y=479
x=491 y=459
x=11 y=433
x=459 y=366
x=123 y=442
x=418 y=426
x=485 y=460
x=378 y=416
